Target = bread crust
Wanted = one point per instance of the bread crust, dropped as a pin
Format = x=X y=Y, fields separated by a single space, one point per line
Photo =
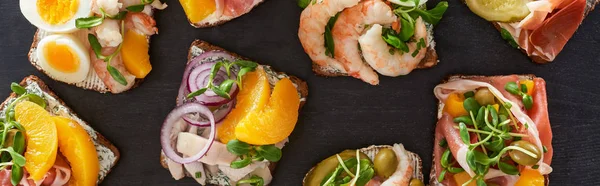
x=100 y=138
x=433 y=175
x=301 y=86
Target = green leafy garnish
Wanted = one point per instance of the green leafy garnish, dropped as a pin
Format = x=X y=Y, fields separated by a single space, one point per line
x=303 y=3
x=249 y=153
x=508 y=37
x=97 y=48
x=17 y=89
x=136 y=8
x=88 y=22
x=433 y=15
x=514 y=89
x=16 y=174
x=329 y=43
x=224 y=88
x=253 y=181
x=392 y=38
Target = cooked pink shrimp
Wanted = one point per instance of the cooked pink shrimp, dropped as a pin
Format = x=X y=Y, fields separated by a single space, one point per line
x=117 y=62
x=404 y=171
x=109 y=33
x=349 y=26
x=312 y=27
x=141 y=23
x=377 y=52
x=111 y=7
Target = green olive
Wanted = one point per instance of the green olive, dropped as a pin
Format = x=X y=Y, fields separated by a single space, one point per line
x=318 y=173
x=485 y=97
x=522 y=158
x=385 y=163
x=416 y=182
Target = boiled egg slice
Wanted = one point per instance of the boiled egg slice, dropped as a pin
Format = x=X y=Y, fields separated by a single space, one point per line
x=64 y=58
x=56 y=16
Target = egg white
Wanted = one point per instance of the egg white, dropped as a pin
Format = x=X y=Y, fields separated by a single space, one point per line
x=76 y=47
x=30 y=11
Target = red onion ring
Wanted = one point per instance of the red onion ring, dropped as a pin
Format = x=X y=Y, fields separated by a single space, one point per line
x=167 y=128
x=212 y=56
x=219 y=116
x=198 y=79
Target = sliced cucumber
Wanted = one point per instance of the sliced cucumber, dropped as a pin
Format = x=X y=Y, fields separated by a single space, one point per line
x=500 y=10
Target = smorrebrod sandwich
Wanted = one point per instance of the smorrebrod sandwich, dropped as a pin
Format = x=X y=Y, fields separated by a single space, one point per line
x=209 y=13
x=233 y=116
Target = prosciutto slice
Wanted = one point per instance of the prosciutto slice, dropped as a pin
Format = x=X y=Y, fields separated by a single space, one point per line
x=539 y=131
x=58 y=175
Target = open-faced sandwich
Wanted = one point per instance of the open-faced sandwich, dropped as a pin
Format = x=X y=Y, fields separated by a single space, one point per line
x=208 y=13
x=100 y=45
x=233 y=116
x=492 y=131
x=372 y=166
x=361 y=38
x=540 y=28
x=44 y=143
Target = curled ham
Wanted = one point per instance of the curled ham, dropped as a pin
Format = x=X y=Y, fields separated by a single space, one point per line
x=548 y=28
x=58 y=175
x=539 y=131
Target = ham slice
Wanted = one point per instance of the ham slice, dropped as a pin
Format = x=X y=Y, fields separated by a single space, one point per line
x=236 y=8
x=539 y=130
x=550 y=38
x=58 y=175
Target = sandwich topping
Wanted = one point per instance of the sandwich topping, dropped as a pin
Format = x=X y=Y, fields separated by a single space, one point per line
x=231 y=121
x=492 y=130
x=202 y=13
x=40 y=148
x=533 y=25
x=376 y=165
x=106 y=37
x=357 y=38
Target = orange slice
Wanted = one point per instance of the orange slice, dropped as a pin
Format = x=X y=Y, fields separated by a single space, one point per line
x=530 y=177
x=276 y=121
x=135 y=54
x=197 y=10
x=254 y=95
x=41 y=137
x=76 y=145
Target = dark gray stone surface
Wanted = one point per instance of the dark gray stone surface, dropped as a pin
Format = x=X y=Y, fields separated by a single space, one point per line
x=341 y=113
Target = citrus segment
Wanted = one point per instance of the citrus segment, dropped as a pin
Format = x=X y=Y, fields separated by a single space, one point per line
x=135 y=54
x=254 y=95
x=530 y=177
x=41 y=137
x=76 y=145
x=197 y=10
x=276 y=121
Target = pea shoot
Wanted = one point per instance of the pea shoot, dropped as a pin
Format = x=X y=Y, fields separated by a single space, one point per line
x=253 y=181
x=249 y=153
x=514 y=89
x=223 y=89
x=93 y=21
x=357 y=172
x=493 y=129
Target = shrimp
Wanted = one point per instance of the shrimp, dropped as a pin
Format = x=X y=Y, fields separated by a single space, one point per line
x=117 y=62
x=141 y=23
x=405 y=168
x=377 y=52
x=312 y=27
x=348 y=28
x=110 y=7
x=109 y=33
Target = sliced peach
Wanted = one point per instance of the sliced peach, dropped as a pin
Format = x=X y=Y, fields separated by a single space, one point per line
x=76 y=145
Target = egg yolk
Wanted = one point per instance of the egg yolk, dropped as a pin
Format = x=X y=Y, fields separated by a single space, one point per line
x=61 y=57
x=197 y=10
x=57 y=11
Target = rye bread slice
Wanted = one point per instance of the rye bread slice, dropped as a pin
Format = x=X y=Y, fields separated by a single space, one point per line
x=92 y=81
x=433 y=174
x=225 y=19
x=591 y=4
x=108 y=154
x=198 y=47
x=372 y=150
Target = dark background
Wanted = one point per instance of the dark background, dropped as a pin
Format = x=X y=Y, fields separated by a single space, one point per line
x=341 y=113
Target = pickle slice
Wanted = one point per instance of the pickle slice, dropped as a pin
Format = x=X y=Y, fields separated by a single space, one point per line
x=500 y=10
